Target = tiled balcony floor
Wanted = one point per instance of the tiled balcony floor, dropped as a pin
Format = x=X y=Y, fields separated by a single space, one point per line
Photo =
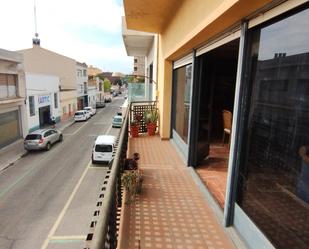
x=171 y=211
x=213 y=171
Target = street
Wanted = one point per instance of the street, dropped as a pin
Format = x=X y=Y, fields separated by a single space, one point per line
x=47 y=198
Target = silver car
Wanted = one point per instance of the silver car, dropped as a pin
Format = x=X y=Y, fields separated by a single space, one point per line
x=42 y=139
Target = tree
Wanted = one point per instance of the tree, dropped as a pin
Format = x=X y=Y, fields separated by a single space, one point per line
x=107 y=85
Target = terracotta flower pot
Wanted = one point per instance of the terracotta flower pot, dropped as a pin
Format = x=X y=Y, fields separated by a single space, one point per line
x=151 y=129
x=134 y=131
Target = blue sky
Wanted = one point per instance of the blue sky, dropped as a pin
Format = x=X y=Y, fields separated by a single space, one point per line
x=87 y=31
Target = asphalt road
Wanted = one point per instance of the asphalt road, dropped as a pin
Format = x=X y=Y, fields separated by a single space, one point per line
x=47 y=198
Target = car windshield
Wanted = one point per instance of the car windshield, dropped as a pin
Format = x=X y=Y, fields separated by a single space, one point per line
x=87 y=108
x=118 y=119
x=33 y=137
x=103 y=148
x=79 y=113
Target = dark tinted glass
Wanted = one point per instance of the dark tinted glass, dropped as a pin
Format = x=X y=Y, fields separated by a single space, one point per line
x=183 y=83
x=79 y=113
x=103 y=148
x=274 y=179
x=33 y=137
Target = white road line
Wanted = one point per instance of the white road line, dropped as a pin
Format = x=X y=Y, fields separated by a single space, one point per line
x=69 y=237
x=79 y=128
x=109 y=129
x=66 y=206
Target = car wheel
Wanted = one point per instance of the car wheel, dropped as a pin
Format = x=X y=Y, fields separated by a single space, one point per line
x=60 y=138
x=48 y=146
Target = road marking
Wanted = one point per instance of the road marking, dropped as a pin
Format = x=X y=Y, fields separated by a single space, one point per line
x=67 y=239
x=65 y=208
x=109 y=129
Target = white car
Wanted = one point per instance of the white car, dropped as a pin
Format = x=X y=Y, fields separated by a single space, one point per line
x=82 y=115
x=91 y=110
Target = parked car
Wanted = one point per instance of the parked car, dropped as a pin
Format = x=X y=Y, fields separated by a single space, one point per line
x=91 y=110
x=114 y=94
x=82 y=115
x=119 y=92
x=108 y=99
x=119 y=111
x=117 y=121
x=100 y=104
x=126 y=96
x=42 y=139
x=103 y=149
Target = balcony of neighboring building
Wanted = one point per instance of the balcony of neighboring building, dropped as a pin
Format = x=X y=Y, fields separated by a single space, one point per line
x=137 y=43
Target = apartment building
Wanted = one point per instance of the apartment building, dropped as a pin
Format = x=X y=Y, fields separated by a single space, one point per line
x=43 y=101
x=13 y=122
x=93 y=71
x=143 y=47
x=82 y=85
x=38 y=60
x=238 y=69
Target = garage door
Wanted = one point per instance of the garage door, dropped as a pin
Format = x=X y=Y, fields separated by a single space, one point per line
x=9 y=128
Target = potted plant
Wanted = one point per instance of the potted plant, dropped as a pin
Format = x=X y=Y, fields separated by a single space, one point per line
x=151 y=118
x=134 y=128
x=132 y=181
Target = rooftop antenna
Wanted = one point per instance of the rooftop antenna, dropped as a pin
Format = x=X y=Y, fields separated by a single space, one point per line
x=36 y=40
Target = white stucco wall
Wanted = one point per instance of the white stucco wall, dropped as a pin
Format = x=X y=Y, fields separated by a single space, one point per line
x=42 y=87
x=92 y=91
x=151 y=58
x=81 y=79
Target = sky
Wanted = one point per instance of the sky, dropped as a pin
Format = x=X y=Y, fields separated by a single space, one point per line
x=85 y=30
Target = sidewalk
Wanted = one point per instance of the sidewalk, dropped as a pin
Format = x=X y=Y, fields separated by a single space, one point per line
x=13 y=152
x=171 y=211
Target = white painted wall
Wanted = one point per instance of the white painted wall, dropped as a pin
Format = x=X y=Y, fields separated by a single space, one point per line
x=151 y=58
x=92 y=92
x=81 y=79
x=39 y=85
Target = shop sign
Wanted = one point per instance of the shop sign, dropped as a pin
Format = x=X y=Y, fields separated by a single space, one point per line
x=43 y=99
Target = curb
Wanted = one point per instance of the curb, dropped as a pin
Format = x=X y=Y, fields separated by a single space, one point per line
x=22 y=154
x=66 y=125
x=11 y=163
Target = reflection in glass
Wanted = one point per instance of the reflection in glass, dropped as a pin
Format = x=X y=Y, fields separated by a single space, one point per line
x=274 y=175
x=183 y=84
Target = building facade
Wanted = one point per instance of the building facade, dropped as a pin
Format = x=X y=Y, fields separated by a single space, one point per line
x=93 y=71
x=143 y=47
x=43 y=100
x=13 y=122
x=38 y=60
x=241 y=68
x=82 y=85
x=139 y=66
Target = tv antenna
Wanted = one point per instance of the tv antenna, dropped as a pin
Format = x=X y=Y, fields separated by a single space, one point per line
x=36 y=40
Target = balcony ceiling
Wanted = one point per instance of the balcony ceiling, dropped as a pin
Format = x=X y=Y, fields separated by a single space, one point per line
x=149 y=16
x=137 y=43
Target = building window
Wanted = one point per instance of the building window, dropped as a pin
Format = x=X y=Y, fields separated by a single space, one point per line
x=56 y=100
x=135 y=60
x=64 y=110
x=273 y=185
x=84 y=72
x=182 y=102
x=8 y=86
x=31 y=105
x=135 y=69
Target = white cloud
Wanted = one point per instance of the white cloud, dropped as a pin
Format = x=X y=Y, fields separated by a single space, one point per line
x=56 y=21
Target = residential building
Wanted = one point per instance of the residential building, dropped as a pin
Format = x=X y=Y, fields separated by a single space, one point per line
x=143 y=46
x=82 y=85
x=238 y=69
x=13 y=124
x=97 y=83
x=93 y=71
x=43 y=100
x=38 y=60
x=139 y=66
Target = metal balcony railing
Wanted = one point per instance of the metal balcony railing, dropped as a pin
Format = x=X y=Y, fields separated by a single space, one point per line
x=104 y=230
